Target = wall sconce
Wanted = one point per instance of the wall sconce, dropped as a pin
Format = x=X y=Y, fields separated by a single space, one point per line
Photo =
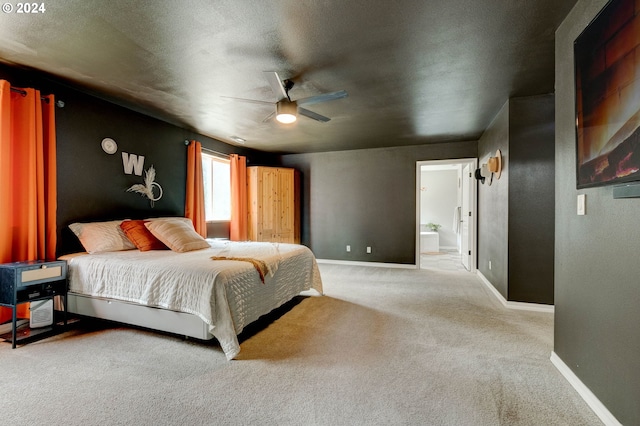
x=486 y=174
x=495 y=164
x=493 y=167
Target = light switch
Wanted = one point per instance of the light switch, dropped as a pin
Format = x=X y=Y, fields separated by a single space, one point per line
x=582 y=204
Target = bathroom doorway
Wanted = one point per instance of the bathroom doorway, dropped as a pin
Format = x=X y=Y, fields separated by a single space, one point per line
x=446 y=214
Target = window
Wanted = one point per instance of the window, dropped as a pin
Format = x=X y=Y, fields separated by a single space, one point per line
x=217 y=188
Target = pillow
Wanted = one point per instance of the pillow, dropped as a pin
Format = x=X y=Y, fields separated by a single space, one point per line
x=139 y=235
x=97 y=237
x=178 y=218
x=178 y=235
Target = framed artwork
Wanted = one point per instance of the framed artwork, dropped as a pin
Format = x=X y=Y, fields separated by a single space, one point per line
x=607 y=95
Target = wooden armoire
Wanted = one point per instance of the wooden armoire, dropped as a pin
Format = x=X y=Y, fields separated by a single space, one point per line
x=274 y=206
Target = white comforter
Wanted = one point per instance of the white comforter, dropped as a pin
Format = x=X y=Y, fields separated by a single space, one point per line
x=225 y=294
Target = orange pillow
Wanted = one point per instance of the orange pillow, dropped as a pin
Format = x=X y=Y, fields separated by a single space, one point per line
x=139 y=235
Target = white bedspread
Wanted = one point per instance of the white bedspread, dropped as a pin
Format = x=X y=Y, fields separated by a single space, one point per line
x=225 y=294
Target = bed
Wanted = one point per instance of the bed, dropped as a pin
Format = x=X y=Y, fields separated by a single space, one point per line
x=212 y=291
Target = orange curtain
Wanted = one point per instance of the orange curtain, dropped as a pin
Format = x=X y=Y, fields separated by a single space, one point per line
x=194 y=205
x=27 y=179
x=239 y=211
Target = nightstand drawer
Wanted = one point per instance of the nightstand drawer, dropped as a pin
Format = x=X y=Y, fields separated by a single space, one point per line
x=44 y=272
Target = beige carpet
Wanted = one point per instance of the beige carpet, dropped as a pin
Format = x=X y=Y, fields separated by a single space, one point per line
x=383 y=346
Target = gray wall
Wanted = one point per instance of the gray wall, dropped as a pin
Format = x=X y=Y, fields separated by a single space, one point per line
x=493 y=206
x=516 y=212
x=531 y=198
x=365 y=198
x=597 y=272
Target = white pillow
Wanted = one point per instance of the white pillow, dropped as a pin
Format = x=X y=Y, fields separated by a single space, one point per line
x=97 y=237
x=177 y=234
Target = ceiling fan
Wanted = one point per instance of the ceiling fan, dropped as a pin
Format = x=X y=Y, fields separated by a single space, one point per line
x=287 y=110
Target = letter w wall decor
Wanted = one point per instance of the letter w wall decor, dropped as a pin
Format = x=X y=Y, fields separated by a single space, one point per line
x=132 y=163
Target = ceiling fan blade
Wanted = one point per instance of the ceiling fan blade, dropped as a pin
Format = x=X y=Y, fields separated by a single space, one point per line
x=313 y=115
x=253 y=101
x=269 y=117
x=322 y=98
x=276 y=85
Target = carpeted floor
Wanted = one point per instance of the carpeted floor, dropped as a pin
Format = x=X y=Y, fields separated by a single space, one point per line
x=444 y=260
x=383 y=346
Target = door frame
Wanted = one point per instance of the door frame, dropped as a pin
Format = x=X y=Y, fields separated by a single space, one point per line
x=473 y=224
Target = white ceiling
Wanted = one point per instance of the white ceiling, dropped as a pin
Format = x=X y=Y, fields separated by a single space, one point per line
x=417 y=71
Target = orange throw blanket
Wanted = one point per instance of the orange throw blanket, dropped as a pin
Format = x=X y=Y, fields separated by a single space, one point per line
x=260 y=265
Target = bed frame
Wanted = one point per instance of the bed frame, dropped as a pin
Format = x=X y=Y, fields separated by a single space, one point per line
x=139 y=315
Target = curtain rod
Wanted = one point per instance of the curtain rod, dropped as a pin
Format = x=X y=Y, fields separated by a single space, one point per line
x=24 y=93
x=42 y=98
x=221 y=154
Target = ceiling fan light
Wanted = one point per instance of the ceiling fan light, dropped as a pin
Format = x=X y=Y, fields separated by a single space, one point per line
x=286 y=118
x=286 y=112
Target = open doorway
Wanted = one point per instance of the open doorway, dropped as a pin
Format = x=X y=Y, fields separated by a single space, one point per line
x=446 y=214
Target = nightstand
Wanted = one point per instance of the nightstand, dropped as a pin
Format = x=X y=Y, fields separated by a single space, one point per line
x=32 y=281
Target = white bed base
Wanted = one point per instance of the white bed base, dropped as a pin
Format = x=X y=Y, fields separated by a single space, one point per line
x=139 y=315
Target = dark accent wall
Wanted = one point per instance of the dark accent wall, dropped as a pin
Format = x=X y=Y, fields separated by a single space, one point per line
x=365 y=198
x=516 y=212
x=597 y=284
x=531 y=198
x=92 y=184
x=493 y=206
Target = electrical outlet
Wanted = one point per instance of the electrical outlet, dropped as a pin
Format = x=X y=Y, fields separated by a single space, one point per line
x=348 y=248
x=368 y=249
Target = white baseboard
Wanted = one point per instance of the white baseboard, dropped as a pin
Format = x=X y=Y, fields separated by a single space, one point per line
x=592 y=401
x=536 y=307
x=372 y=264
